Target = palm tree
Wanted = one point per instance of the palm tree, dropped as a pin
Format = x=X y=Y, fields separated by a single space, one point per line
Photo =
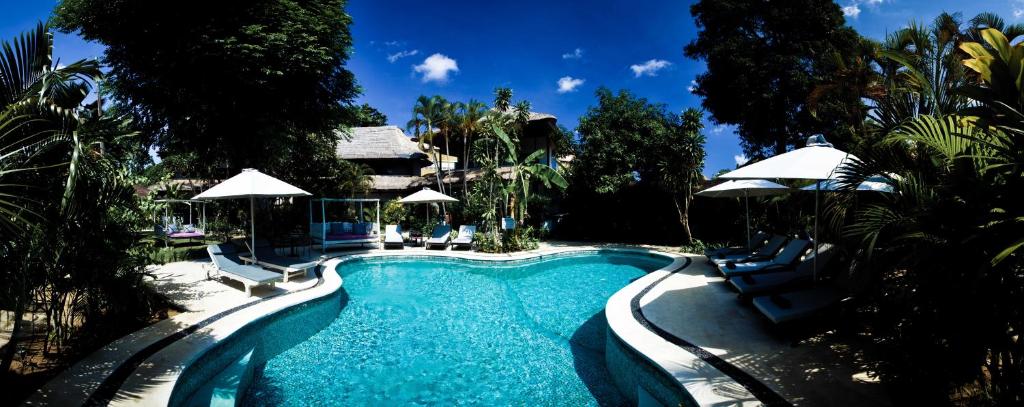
x=947 y=243
x=39 y=127
x=471 y=115
x=427 y=113
x=38 y=102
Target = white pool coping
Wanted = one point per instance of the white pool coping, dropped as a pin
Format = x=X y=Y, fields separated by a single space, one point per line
x=706 y=384
x=153 y=382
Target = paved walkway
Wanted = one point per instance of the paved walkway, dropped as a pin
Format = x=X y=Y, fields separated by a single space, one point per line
x=186 y=284
x=697 y=305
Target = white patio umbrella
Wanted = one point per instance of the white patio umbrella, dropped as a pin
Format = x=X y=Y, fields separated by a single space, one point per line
x=817 y=161
x=251 y=184
x=427 y=196
x=872 y=184
x=745 y=188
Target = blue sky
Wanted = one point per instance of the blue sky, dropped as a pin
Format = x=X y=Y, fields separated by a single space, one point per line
x=552 y=53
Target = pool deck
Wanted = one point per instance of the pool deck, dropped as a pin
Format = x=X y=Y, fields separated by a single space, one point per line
x=691 y=303
x=697 y=305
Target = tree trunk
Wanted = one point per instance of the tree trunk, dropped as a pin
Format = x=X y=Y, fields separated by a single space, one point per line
x=465 y=165
x=7 y=353
x=683 y=208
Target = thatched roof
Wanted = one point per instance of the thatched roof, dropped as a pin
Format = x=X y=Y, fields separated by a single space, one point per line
x=398 y=182
x=382 y=142
x=534 y=116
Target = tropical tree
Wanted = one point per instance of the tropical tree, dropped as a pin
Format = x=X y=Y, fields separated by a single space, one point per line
x=246 y=98
x=627 y=142
x=471 y=115
x=427 y=113
x=523 y=172
x=680 y=162
x=71 y=253
x=762 y=65
x=945 y=247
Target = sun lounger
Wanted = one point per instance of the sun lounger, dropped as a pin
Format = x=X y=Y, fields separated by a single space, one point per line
x=786 y=259
x=763 y=253
x=268 y=258
x=759 y=284
x=440 y=237
x=465 y=238
x=227 y=264
x=791 y=306
x=393 y=236
x=755 y=242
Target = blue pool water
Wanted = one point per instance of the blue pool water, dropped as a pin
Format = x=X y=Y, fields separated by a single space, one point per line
x=421 y=331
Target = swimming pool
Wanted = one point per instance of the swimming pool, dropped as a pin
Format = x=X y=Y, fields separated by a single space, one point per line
x=447 y=331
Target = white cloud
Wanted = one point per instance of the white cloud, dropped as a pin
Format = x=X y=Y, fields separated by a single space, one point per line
x=436 y=68
x=575 y=54
x=1018 y=8
x=692 y=87
x=852 y=10
x=393 y=43
x=740 y=159
x=718 y=129
x=649 y=68
x=402 y=54
x=568 y=84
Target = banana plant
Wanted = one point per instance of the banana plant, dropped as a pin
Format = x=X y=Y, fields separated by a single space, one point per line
x=524 y=171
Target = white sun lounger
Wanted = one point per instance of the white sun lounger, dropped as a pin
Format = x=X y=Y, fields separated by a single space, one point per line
x=268 y=258
x=786 y=259
x=465 y=238
x=393 y=236
x=757 y=284
x=791 y=306
x=226 y=263
x=765 y=252
x=441 y=236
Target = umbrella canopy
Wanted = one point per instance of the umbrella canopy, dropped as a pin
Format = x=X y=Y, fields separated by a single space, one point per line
x=248 y=184
x=817 y=161
x=745 y=188
x=427 y=195
x=251 y=184
x=871 y=184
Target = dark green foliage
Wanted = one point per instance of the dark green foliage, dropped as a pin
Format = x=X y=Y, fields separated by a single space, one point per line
x=258 y=84
x=763 y=61
x=77 y=262
x=626 y=142
x=365 y=115
x=943 y=251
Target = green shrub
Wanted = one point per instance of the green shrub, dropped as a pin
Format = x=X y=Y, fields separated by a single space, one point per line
x=698 y=247
x=517 y=240
x=394 y=212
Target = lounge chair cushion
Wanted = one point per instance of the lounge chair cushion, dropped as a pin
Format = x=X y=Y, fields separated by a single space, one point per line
x=785 y=260
x=766 y=251
x=225 y=258
x=798 y=304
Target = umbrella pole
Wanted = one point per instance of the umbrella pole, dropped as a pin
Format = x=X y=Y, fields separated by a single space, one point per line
x=252 y=226
x=817 y=189
x=746 y=203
